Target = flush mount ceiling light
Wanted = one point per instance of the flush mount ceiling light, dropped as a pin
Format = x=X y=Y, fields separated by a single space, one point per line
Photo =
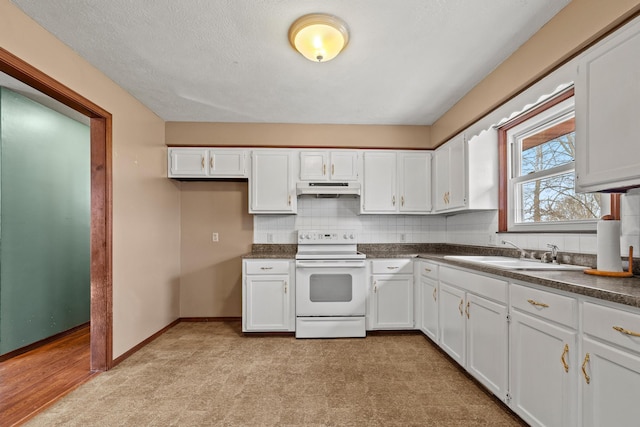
x=319 y=37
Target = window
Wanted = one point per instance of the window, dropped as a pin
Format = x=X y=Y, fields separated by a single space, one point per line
x=538 y=172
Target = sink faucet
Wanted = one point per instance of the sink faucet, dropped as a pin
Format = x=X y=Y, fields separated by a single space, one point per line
x=554 y=252
x=523 y=253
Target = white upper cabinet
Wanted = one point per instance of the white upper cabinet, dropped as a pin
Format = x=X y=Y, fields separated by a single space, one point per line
x=272 y=185
x=328 y=165
x=379 y=182
x=191 y=162
x=187 y=162
x=607 y=96
x=466 y=173
x=396 y=182
x=228 y=163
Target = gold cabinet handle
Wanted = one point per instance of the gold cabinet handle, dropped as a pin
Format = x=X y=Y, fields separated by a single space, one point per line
x=285 y=287
x=391 y=267
x=444 y=198
x=428 y=270
x=333 y=169
x=435 y=291
x=289 y=200
x=402 y=200
x=626 y=331
x=537 y=304
x=211 y=163
x=467 y=309
x=460 y=306
x=375 y=287
x=324 y=169
x=266 y=268
x=202 y=163
x=393 y=200
x=587 y=378
x=563 y=357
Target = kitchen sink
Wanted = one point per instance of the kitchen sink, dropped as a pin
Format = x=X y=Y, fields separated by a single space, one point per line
x=509 y=263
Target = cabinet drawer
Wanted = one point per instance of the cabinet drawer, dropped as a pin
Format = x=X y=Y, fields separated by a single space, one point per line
x=558 y=308
x=599 y=321
x=478 y=284
x=392 y=266
x=267 y=267
x=428 y=269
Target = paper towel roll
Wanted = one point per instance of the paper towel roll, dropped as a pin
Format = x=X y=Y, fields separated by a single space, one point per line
x=609 y=246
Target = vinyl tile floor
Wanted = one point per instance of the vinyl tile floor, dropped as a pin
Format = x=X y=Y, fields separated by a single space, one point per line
x=209 y=374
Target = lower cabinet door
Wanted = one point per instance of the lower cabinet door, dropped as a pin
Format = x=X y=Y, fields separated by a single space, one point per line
x=429 y=308
x=267 y=303
x=487 y=338
x=543 y=372
x=610 y=385
x=452 y=322
x=392 y=300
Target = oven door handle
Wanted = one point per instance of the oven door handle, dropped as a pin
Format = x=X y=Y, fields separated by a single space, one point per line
x=330 y=264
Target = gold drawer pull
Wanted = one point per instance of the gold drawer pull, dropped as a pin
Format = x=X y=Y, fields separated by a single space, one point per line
x=563 y=357
x=392 y=268
x=460 y=306
x=202 y=163
x=587 y=378
x=537 y=304
x=467 y=310
x=428 y=270
x=626 y=331
x=434 y=294
x=266 y=268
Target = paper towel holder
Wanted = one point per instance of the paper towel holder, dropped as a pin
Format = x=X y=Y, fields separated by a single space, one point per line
x=629 y=273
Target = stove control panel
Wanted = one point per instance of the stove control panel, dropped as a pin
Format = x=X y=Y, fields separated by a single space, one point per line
x=327 y=236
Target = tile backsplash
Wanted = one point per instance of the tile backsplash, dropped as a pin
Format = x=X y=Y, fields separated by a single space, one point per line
x=473 y=228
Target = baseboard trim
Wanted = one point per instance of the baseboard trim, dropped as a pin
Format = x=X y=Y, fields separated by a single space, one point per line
x=137 y=347
x=210 y=319
x=42 y=342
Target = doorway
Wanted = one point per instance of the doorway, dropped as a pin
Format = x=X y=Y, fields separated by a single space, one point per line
x=101 y=358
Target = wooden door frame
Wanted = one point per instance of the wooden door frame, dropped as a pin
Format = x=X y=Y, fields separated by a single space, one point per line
x=101 y=201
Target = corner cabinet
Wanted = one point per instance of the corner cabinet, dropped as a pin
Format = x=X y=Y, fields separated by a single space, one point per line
x=607 y=97
x=268 y=300
x=396 y=182
x=465 y=175
x=192 y=162
x=272 y=183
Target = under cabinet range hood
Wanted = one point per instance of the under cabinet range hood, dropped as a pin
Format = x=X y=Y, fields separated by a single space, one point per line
x=328 y=189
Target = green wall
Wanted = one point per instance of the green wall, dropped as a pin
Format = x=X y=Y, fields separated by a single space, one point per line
x=44 y=222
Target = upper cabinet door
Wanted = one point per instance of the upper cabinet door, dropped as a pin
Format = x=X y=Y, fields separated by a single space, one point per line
x=187 y=162
x=227 y=163
x=457 y=173
x=344 y=166
x=607 y=97
x=313 y=165
x=379 y=186
x=271 y=186
x=441 y=178
x=414 y=181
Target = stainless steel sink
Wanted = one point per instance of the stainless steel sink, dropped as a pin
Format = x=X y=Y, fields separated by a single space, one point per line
x=509 y=263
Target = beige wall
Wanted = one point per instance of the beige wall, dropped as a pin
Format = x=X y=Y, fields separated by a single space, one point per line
x=211 y=279
x=294 y=135
x=575 y=27
x=146 y=211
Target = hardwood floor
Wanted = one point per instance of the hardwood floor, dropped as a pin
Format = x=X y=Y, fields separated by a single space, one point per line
x=32 y=381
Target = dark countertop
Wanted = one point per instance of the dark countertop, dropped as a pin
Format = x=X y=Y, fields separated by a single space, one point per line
x=620 y=290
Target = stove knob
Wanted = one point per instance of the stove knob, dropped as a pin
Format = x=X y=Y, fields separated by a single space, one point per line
x=351 y=236
x=346 y=236
x=307 y=236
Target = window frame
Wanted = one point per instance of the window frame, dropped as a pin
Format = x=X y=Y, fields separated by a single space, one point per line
x=506 y=210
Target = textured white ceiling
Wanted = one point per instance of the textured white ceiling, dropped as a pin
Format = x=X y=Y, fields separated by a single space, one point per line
x=407 y=62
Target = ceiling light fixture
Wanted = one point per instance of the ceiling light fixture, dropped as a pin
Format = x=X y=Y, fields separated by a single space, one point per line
x=319 y=37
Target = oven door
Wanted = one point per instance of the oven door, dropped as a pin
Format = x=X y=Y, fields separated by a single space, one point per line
x=330 y=288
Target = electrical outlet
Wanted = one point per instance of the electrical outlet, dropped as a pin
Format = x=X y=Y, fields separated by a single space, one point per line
x=269 y=237
x=214 y=237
